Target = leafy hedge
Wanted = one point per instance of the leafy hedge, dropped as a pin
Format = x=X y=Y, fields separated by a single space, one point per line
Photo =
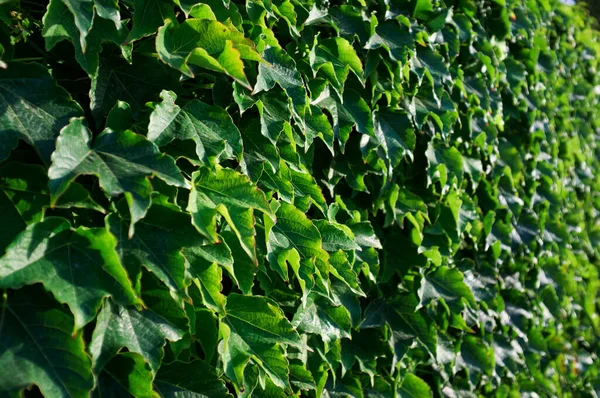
x=298 y=197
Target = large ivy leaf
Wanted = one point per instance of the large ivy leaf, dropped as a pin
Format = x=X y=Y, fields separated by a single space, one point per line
x=395 y=38
x=413 y=386
x=395 y=134
x=126 y=375
x=207 y=44
x=148 y=15
x=38 y=345
x=232 y=195
x=446 y=283
x=209 y=276
x=143 y=332
x=210 y=127
x=334 y=58
x=406 y=323
x=136 y=83
x=33 y=108
x=24 y=198
x=80 y=267
x=196 y=378
x=63 y=20
x=320 y=317
x=122 y=161
x=294 y=232
x=246 y=336
x=280 y=68
x=157 y=244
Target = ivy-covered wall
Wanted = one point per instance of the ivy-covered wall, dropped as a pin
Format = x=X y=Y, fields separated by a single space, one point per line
x=275 y=198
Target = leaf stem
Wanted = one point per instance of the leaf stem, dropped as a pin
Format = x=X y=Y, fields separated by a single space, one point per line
x=27 y=59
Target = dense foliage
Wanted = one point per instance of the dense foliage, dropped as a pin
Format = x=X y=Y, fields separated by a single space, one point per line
x=299 y=197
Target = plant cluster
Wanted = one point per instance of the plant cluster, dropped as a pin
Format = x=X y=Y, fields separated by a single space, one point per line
x=315 y=198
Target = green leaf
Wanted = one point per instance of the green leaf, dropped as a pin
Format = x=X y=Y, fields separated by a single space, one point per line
x=405 y=321
x=209 y=276
x=413 y=386
x=136 y=83
x=336 y=236
x=306 y=190
x=395 y=38
x=82 y=13
x=207 y=44
x=293 y=231
x=148 y=15
x=142 y=332
x=395 y=134
x=446 y=283
x=352 y=111
x=33 y=108
x=319 y=316
x=122 y=161
x=38 y=344
x=476 y=355
x=232 y=195
x=194 y=379
x=280 y=68
x=334 y=58
x=24 y=197
x=246 y=335
x=243 y=268
x=157 y=244
x=62 y=22
x=126 y=375
x=445 y=164
x=210 y=127
x=80 y=267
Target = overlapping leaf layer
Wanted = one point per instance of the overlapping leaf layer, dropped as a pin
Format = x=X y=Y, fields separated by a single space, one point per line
x=311 y=198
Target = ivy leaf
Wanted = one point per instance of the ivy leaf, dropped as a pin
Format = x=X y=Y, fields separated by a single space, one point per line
x=336 y=236
x=24 y=197
x=352 y=111
x=405 y=322
x=210 y=127
x=243 y=268
x=62 y=24
x=207 y=44
x=33 y=108
x=148 y=15
x=37 y=340
x=248 y=336
x=318 y=125
x=334 y=58
x=142 y=332
x=395 y=134
x=122 y=160
x=157 y=244
x=446 y=283
x=280 y=68
x=445 y=164
x=138 y=82
x=230 y=194
x=293 y=231
x=306 y=190
x=80 y=267
x=127 y=374
x=196 y=378
x=108 y=9
x=395 y=37
x=259 y=151
x=320 y=316
x=209 y=276
x=413 y=386
x=476 y=356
